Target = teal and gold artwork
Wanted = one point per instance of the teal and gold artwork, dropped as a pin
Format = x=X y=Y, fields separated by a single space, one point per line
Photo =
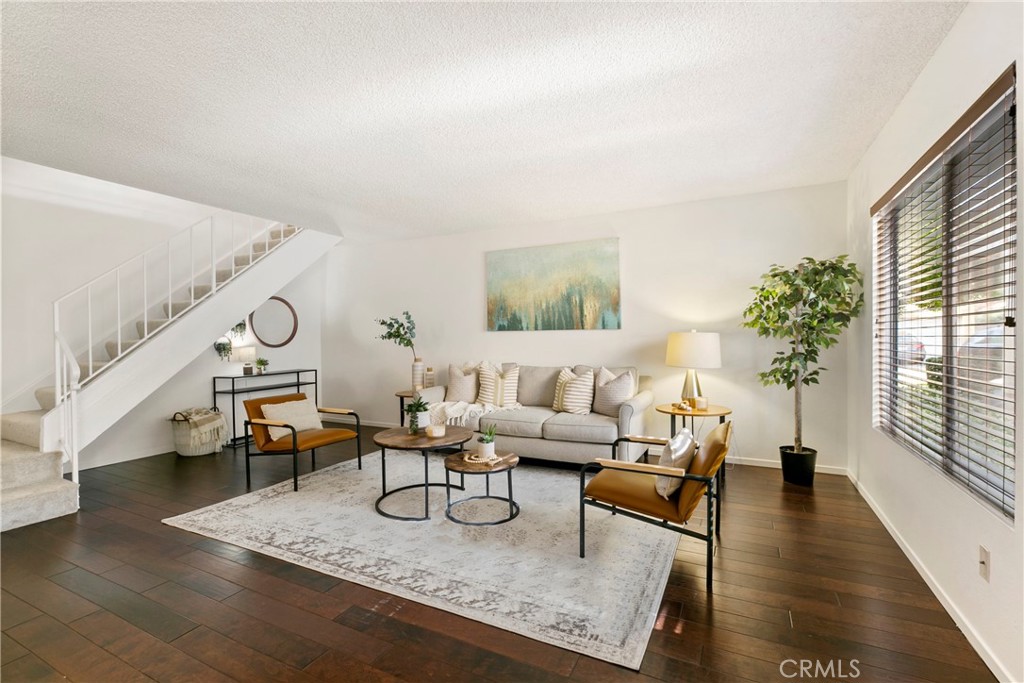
x=572 y=286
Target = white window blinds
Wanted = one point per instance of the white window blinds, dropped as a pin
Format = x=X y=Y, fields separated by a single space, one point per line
x=945 y=303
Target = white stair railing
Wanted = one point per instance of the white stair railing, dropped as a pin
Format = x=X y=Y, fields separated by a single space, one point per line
x=122 y=308
x=66 y=393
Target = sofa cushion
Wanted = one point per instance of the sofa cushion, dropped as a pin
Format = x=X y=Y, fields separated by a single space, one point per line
x=592 y=428
x=525 y=421
x=498 y=388
x=611 y=391
x=462 y=383
x=537 y=385
x=574 y=393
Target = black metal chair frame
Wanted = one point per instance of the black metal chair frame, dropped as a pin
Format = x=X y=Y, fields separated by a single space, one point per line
x=294 y=452
x=711 y=494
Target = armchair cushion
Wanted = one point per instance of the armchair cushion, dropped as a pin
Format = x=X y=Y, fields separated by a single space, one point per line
x=634 y=492
x=308 y=439
x=677 y=453
x=300 y=414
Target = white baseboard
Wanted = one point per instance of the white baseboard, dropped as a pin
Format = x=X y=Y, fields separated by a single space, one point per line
x=973 y=637
x=774 y=464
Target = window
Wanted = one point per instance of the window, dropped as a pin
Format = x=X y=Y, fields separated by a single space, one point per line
x=945 y=302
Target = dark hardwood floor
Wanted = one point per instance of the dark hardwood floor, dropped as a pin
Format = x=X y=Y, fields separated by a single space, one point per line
x=111 y=594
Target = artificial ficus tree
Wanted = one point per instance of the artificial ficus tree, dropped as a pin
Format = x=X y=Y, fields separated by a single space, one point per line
x=808 y=306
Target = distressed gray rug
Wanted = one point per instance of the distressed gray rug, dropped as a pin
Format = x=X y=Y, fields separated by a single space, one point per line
x=524 y=576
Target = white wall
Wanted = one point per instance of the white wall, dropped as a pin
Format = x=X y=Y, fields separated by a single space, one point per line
x=145 y=430
x=683 y=266
x=937 y=523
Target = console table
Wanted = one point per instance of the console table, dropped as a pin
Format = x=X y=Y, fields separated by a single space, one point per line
x=236 y=385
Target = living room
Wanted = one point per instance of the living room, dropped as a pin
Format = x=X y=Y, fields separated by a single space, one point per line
x=687 y=259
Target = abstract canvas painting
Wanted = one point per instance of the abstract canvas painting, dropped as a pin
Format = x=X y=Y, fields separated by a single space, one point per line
x=572 y=286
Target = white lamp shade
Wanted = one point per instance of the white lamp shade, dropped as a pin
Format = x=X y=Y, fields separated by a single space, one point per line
x=693 y=350
x=243 y=354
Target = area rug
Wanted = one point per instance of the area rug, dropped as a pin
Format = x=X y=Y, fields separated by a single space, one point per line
x=524 y=576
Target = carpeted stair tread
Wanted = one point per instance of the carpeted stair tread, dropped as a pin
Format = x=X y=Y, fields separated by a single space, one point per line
x=111 y=347
x=97 y=365
x=263 y=247
x=22 y=427
x=176 y=309
x=152 y=325
x=22 y=465
x=46 y=397
x=286 y=231
x=37 y=503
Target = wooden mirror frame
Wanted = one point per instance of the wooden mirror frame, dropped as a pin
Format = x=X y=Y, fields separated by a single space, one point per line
x=295 y=325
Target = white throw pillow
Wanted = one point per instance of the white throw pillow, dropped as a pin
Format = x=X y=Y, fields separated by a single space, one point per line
x=302 y=415
x=497 y=388
x=678 y=453
x=462 y=383
x=610 y=392
x=574 y=393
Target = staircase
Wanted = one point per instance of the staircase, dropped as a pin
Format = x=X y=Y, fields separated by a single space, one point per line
x=108 y=360
x=32 y=483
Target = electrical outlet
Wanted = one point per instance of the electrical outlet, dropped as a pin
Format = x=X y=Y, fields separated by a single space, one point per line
x=984 y=562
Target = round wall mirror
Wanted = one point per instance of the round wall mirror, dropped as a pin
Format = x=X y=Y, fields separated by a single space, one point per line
x=275 y=323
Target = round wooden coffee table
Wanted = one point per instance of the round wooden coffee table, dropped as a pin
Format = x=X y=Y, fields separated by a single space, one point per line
x=457 y=463
x=400 y=439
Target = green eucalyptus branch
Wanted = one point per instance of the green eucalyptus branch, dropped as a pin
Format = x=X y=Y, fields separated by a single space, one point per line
x=399 y=331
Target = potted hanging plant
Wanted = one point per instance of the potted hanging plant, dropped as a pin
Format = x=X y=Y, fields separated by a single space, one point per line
x=403 y=332
x=808 y=306
x=416 y=409
x=223 y=348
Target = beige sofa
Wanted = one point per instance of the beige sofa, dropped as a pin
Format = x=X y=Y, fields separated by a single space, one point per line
x=537 y=431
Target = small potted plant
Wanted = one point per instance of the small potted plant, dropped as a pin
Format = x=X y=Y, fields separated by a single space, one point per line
x=807 y=306
x=485 y=444
x=261 y=365
x=416 y=409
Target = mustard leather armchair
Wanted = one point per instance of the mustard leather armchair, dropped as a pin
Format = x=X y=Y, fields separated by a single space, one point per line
x=628 y=489
x=296 y=442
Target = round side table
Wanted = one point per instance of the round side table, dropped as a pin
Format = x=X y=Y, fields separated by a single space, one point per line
x=400 y=439
x=711 y=411
x=457 y=463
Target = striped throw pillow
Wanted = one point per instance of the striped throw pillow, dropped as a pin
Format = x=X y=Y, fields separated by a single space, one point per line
x=610 y=392
x=574 y=393
x=497 y=388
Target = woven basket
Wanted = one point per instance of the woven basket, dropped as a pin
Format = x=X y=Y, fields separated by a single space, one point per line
x=182 y=430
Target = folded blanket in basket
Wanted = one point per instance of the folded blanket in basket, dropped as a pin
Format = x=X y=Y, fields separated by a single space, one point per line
x=205 y=425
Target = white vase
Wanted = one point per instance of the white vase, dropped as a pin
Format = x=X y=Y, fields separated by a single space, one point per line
x=485 y=451
x=417 y=373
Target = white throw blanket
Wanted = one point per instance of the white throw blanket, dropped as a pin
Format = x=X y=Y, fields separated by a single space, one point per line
x=456 y=413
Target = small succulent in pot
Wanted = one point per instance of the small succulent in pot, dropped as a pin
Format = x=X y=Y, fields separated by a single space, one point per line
x=485 y=444
x=261 y=365
x=414 y=410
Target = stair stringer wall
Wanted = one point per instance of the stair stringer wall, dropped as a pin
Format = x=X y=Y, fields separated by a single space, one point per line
x=111 y=395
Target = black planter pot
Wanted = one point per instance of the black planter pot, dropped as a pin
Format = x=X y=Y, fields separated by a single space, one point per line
x=798 y=468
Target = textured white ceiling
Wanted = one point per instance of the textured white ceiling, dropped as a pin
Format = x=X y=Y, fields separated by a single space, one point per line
x=395 y=120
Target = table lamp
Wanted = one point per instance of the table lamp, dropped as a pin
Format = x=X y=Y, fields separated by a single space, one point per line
x=693 y=350
x=244 y=354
